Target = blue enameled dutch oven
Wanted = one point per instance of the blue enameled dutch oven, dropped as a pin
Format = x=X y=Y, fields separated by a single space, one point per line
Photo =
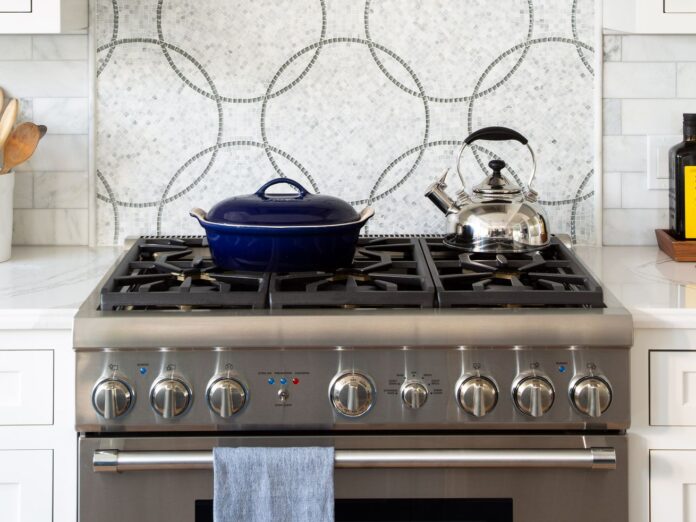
x=282 y=232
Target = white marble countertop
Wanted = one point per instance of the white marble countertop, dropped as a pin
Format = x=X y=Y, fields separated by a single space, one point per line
x=659 y=292
x=42 y=287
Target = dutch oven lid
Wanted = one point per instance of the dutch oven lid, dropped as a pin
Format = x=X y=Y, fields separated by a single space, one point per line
x=298 y=208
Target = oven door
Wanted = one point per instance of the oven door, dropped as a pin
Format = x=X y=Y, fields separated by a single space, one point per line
x=380 y=478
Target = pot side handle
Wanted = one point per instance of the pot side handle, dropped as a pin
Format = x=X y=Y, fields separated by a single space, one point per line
x=366 y=214
x=199 y=214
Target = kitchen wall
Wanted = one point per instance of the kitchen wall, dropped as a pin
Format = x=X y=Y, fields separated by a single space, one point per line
x=649 y=81
x=49 y=74
x=199 y=100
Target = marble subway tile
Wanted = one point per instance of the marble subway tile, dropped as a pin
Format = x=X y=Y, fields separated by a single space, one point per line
x=63 y=115
x=60 y=190
x=611 y=117
x=24 y=190
x=45 y=79
x=633 y=226
x=612 y=48
x=635 y=192
x=15 y=47
x=26 y=109
x=686 y=80
x=60 y=47
x=59 y=153
x=658 y=48
x=71 y=227
x=639 y=80
x=50 y=227
x=611 y=191
x=33 y=227
x=655 y=116
x=625 y=153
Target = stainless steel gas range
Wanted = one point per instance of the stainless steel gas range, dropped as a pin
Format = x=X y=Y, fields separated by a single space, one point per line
x=454 y=387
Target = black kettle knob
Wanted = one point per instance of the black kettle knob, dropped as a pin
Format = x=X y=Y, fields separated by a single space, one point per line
x=496 y=166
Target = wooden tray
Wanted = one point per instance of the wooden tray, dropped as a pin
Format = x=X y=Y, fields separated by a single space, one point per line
x=677 y=250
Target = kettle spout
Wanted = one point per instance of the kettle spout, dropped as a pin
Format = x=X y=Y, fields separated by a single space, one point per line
x=436 y=193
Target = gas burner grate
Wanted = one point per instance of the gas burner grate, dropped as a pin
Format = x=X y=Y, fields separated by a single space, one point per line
x=551 y=277
x=178 y=274
x=387 y=272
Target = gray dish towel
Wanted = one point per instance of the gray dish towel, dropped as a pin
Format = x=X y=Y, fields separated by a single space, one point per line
x=273 y=484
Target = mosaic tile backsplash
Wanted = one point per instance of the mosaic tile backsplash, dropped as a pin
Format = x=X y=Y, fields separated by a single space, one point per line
x=365 y=100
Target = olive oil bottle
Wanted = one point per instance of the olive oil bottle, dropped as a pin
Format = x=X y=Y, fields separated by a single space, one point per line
x=682 y=183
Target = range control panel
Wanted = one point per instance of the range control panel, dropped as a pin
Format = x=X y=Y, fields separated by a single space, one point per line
x=343 y=388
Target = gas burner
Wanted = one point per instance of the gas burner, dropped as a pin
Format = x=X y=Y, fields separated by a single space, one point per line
x=548 y=277
x=386 y=272
x=179 y=274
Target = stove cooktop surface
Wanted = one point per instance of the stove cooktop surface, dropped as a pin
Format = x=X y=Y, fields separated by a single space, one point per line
x=178 y=273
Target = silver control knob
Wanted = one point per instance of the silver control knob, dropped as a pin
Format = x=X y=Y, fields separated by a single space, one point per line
x=352 y=394
x=112 y=398
x=226 y=396
x=591 y=396
x=414 y=394
x=477 y=395
x=534 y=396
x=170 y=397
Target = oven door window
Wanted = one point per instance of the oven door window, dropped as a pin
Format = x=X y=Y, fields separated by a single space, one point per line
x=405 y=510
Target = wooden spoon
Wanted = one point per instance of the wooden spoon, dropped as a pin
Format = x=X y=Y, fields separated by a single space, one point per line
x=20 y=146
x=8 y=120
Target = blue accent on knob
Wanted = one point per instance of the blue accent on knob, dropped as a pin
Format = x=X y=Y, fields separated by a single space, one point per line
x=283 y=380
x=562 y=369
x=143 y=370
x=271 y=380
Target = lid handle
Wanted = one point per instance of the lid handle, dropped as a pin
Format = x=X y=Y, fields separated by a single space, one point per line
x=262 y=191
x=496 y=134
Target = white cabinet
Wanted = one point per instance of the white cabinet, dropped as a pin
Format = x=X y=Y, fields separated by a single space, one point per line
x=673 y=388
x=26 y=387
x=26 y=489
x=651 y=16
x=38 y=443
x=42 y=16
x=672 y=486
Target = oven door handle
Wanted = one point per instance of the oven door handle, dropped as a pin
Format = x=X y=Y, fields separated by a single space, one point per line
x=590 y=458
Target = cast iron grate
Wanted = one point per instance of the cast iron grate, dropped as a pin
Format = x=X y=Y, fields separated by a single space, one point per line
x=387 y=272
x=178 y=274
x=550 y=277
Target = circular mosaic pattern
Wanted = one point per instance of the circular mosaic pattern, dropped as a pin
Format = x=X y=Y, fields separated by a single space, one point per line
x=367 y=101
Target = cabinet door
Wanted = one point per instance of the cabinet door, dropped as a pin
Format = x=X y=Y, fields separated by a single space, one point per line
x=26 y=485
x=26 y=387
x=672 y=486
x=673 y=388
x=42 y=16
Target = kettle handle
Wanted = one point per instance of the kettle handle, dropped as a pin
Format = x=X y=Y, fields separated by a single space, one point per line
x=498 y=134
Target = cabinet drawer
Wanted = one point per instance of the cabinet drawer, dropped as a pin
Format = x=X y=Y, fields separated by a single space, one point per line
x=26 y=485
x=26 y=387
x=673 y=388
x=680 y=6
x=672 y=486
x=15 y=6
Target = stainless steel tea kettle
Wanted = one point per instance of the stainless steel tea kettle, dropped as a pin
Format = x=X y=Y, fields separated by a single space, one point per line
x=498 y=216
